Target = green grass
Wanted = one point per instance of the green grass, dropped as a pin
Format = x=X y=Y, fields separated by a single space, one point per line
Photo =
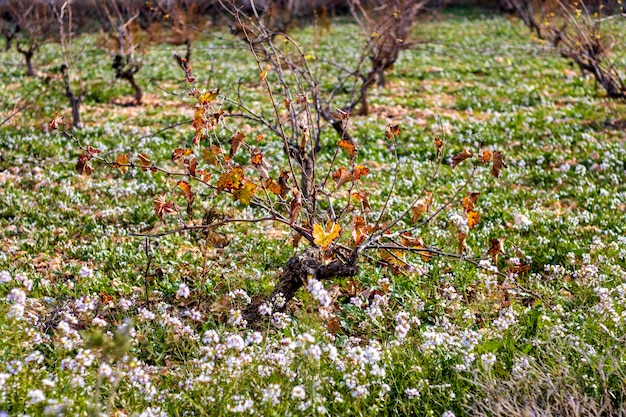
x=68 y=257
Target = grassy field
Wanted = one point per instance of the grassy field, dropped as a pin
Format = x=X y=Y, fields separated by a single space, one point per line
x=79 y=337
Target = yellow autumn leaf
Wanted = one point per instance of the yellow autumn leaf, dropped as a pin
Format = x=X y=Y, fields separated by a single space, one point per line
x=209 y=96
x=324 y=237
x=245 y=194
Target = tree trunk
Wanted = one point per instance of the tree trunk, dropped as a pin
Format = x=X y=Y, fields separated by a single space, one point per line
x=28 y=58
x=136 y=87
x=299 y=269
x=76 y=101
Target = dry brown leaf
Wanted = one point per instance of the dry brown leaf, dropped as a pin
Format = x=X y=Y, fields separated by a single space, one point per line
x=295 y=206
x=421 y=206
x=498 y=164
x=461 y=156
x=496 y=248
x=121 y=162
x=359 y=230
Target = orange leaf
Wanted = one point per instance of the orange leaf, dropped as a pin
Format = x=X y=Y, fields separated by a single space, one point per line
x=184 y=185
x=359 y=230
x=359 y=171
x=257 y=158
x=235 y=143
x=392 y=130
x=348 y=146
x=121 y=162
x=484 y=157
x=438 y=146
x=461 y=156
x=469 y=200
x=498 y=164
x=204 y=175
x=421 y=206
x=271 y=185
x=231 y=180
x=472 y=219
x=324 y=237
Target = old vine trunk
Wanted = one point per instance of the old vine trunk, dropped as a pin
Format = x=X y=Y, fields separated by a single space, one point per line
x=299 y=270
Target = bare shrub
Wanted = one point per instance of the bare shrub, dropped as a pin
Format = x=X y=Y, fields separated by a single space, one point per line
x=30 y=23
x=119 y=21
x=576 y=31
x=323 y=202
x=73 y=82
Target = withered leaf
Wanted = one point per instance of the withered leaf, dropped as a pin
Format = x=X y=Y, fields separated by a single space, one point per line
x=421 y=206
x=416 y=243
x=245 y=194
x=180 y=153
x=209 y=154
x=359 y=171
x=361 y=197
x=295 y=206
x=484 y=157
x=342 y=176
x=56 y=121
x=82 y=165
x=469 y=201
x=348 y=146
x=461 y=156
x=144 y=161
x=191 y=166
x=161 y=206
x=272 y=186
x=121 y=162
x=334 y=325
x=392 y=130
x=184 y=185
x=498 y=164
x=496 y=248
x=359 y=230
x=283 y=182
x=235 y=143
x=461 y=238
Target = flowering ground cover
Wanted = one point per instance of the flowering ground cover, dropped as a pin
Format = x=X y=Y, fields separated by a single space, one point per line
x=97 y=321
